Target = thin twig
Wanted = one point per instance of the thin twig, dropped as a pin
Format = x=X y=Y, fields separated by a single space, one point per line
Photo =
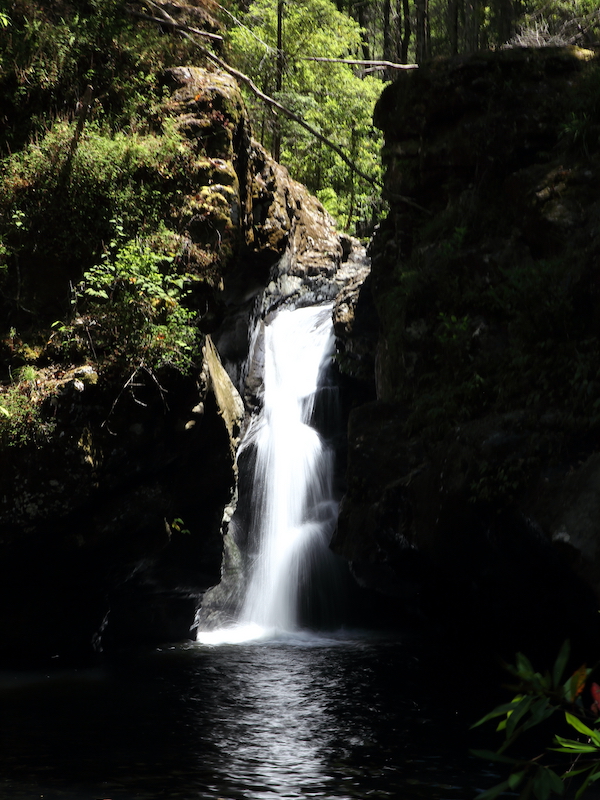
x=118 y=397
x=161 y=390
x=358 y=62
x=173 y=24
x=246 y=28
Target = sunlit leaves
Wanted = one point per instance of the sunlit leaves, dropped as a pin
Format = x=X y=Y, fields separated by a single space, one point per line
x=330 y=97
x=132 y=297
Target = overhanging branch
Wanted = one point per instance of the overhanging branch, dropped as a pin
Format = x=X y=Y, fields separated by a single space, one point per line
x=272 y=103
x=358 y=62
x=175 y=25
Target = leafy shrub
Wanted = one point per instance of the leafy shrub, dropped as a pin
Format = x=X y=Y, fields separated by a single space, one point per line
x=134 y=308
x=21 y=419
x=538 y=698
x=51 y=51
x=138 y=177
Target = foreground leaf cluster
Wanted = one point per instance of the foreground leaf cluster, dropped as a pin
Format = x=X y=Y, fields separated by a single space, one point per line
x=539 y=697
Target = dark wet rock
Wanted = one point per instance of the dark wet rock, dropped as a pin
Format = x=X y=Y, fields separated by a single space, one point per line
x=472 y=480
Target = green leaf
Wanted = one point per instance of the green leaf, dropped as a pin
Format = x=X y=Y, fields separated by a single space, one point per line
x=570 y=773
x=591 y=778
x=491 y=755
x=4 y=411
x=556 y=783
x=579 y=726
x=575 y=684
x=517 y=714
x=527 y=789
x=524 y=666
x=498 y=711
x=542 y=785
x=97 y=293
x=541 y=710
x=490 y=794
x=573 y=744
x=561 y=663
x=585 y=748
x=515 y=779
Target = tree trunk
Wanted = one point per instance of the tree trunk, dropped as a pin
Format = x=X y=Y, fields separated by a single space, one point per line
x=278 y=79
x=471 y=26
x=387 y=34
x=361 y=18
x=453 y=26
x=505 y=20
x=404 y=30
x=422 y=7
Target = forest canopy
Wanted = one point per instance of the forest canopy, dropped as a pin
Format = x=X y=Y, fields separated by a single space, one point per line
x=334 y=98
x=273 y=41
x=49 y=53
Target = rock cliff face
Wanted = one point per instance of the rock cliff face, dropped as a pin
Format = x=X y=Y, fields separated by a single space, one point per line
x=469 y=356
x=110 y=525
x=472 y=476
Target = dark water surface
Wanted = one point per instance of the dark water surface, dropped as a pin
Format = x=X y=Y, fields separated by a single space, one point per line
x=304 y=718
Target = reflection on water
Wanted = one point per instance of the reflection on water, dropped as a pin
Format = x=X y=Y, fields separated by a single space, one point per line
x=303 y=718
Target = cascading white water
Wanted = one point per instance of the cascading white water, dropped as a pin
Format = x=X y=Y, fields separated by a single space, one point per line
x=293 y=510
x=292 y=490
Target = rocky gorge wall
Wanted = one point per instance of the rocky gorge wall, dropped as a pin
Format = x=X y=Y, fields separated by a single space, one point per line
x=473 y=473
x=111 y=514
x=468 y=361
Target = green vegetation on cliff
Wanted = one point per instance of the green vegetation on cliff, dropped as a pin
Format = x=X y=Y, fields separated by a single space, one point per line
x=98 y=189
x=77 y=162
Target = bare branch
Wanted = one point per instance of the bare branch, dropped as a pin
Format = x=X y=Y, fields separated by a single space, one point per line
x=173 y=24
x=270 y=101
x=359 y=62
x=246 y=28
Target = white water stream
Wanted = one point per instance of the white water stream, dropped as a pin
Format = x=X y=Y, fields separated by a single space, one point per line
x=293 y=510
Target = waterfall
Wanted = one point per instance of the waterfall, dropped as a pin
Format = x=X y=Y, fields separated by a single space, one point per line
x=293 y=510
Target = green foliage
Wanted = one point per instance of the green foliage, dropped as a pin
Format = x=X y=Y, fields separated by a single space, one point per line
x=179 y=526
x=580 y=131
x=22 y=421
x=138 y=177
x=50 y=52
x=134 y=312
x=26 y=373
x=328 y=96
x=538 y=697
